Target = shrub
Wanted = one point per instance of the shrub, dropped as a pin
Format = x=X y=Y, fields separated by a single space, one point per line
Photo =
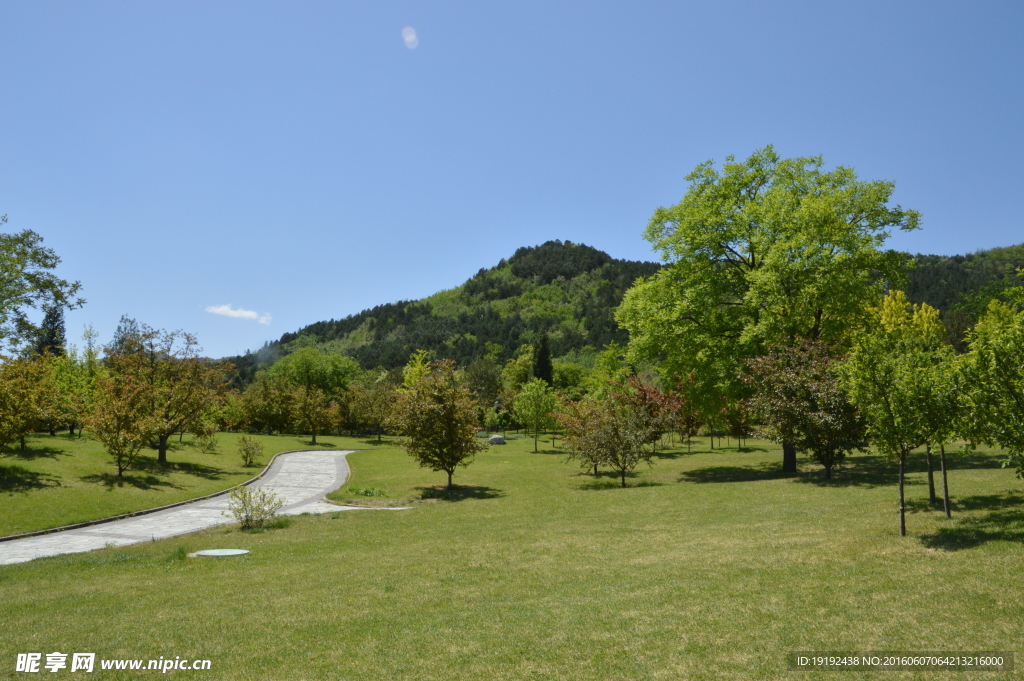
x=253 y=507
x=206 y=445
x=250 y=449
x=367 y=491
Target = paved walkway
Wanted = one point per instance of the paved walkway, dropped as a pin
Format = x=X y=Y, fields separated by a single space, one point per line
x=300 y=478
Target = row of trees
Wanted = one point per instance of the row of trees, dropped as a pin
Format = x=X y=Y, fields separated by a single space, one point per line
x=778 y=304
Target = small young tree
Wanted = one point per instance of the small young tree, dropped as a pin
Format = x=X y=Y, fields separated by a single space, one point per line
x=606 y=431
x=26 y=394
x=798 y=399
x=250 y=449
x=534 y=406
x=994 y=370
x=883 y=376
x=373 y=402
x=438 y=416
x=122 y=418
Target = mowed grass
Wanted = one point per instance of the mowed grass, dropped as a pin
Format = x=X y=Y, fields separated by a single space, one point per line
x=59 y=480
x=710 y=565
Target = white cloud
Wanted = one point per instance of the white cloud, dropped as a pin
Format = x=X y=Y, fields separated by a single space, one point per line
x=239 y=313
x=409 y=36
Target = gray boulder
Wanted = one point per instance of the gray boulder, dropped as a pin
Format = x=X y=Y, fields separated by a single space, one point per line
x=497 y=440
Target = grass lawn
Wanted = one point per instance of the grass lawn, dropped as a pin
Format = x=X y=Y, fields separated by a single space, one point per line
x=710 y=565
x=59 y=480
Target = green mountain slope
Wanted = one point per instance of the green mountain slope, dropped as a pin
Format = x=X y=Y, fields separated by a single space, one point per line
x=569 y=291
x=944 y=281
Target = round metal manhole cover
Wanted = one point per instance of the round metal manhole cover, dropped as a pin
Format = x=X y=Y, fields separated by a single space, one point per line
x=221 y=552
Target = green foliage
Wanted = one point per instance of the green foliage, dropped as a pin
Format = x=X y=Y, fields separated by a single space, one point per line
x=26 y=395
x=25 y=270
x=798 y=399
x=367 y=491
x=250 y=449
x=438 y=416
x=541 y=361
x=123 y=419
x=534 y=406
x=888 y=377
x=609 y=431
x=764 y=251
x=994 y=372
x=568 y=291
x=253 y=507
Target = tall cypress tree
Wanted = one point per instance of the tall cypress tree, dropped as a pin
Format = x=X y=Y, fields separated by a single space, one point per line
x=542 y=367
x=51 y=332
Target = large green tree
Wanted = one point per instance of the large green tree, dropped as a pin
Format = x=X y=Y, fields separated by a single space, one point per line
x=27 y=283
x=764 y=252
x=179 y=385
x=320 y=377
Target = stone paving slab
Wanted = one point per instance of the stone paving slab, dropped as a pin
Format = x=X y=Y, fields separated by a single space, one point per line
x=301 y=478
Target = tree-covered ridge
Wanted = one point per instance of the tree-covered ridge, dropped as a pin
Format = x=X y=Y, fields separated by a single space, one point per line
x=943 y=281
x=567 y=290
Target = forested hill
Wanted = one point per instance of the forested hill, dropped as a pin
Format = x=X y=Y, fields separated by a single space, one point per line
x=570 y=291
x=945 y=281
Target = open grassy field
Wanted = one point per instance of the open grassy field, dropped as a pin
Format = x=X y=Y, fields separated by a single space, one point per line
x=710 y=565
x=59 y=480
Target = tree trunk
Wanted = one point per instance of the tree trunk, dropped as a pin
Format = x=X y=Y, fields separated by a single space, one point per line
x=162 y=448
x=623 y=478
x=945 y=485
x=595 y=470
x=536 y=436
x=828 y=471
x=449 y=479
x=181 y=436
x=22 y=438
x=314 y=437
x=788 y=457
x=380 y=431
x=903 y=519
x=53 y=432
x=931 y=476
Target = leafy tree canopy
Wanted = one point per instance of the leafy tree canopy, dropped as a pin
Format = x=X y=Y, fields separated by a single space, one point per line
x=762 y=252
x=26 y=282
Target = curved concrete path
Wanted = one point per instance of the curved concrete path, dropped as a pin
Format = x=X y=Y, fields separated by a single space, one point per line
x=300 y=478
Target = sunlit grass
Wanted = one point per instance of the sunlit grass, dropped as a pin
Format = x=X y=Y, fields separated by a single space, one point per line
x=59 y=480
x=710 y=565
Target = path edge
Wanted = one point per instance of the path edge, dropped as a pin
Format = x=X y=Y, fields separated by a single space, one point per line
x=88 y=523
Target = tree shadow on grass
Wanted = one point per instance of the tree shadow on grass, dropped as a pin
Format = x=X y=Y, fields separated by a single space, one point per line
x=30 y=453
x=153 y=467
x=459 y=493
x=19 y=479
x=139 y=481
x=763 y=471
x=1004 y=521
x=616 y=483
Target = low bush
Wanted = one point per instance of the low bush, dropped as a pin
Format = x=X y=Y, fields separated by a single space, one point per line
x=250 y=449
x=253 y=507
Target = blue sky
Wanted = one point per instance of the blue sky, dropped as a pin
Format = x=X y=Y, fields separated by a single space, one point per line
x=303 y=161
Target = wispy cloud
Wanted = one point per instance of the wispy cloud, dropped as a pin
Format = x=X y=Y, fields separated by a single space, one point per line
x=410 y=38
x=239 y=313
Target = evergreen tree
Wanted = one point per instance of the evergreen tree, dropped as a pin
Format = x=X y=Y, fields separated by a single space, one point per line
x=51 y=333
x=542 y=366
